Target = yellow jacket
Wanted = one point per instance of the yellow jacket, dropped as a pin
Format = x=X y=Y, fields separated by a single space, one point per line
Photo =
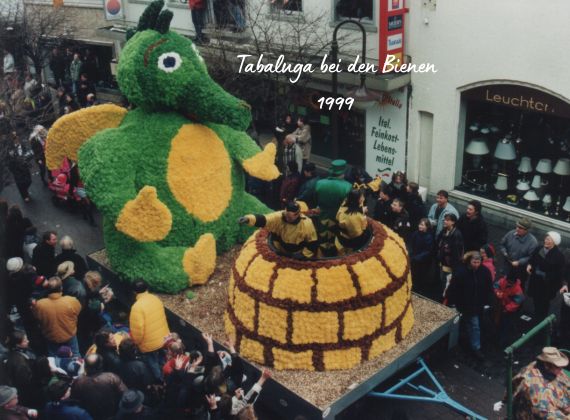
x=148 y=322
x=57 y=315
x=291 y=237
x=351 y=225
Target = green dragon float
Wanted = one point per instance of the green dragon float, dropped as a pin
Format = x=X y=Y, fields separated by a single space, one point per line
x=168 y=176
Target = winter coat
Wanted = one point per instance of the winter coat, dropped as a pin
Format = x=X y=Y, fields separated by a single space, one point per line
x=57 y=315
x=148 y=323
x=111 y=360
x=196 y=4
x=546 y=275
x=99 y=394
x=65 y=410
x=450 y=248
x=383 y=212
x=135 y=374
x=510 y=295
x=20 y=367
x=43 y=259
x=421 y=247
x=438 y=223
x=490 y=264
x=416 y=209
x=15 y=233
x=18 y=164
x=303 y=137
x=79 y=264
x=474 y=232
x=75 y=70
x=17 y=412
x=470 y=290
x=401 y=224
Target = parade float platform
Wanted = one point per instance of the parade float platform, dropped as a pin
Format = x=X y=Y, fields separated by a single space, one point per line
x=313 y=394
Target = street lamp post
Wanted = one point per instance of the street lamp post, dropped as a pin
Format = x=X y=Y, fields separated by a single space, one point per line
x=360 y=94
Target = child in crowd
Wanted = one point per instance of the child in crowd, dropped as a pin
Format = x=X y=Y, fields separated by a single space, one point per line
x=510 y=296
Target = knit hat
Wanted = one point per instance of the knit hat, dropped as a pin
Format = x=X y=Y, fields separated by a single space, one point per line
x=553 y=356
x=524 y=223
x=7 y=394
x=64 y=351
x=57 y=389
x=66 y=269
x=555 y=236
x=15 y=264
x=131 y=400
x=337 y=167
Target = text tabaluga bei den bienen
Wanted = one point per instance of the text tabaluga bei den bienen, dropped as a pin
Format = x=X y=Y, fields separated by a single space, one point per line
x=381 y=137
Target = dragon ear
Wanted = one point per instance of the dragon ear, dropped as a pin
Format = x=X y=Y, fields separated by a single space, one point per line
x=163 y=21
x=149 y=17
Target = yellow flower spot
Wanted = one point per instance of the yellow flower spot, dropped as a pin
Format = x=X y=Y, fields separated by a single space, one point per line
x=262 y=165
x=199 y=166
x=293 y=284
x=342 y=359
x=145 y=218
x=200 y=261
x=334 y=284
x=272 y=322
x=284 y=359
x=315 y=327
x=361 y=322
x=259 y=273
x=382 y=343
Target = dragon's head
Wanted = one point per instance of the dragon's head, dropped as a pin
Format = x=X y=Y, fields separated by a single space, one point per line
x=161 y=70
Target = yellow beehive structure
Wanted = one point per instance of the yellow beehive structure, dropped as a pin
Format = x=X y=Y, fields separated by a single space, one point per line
x=320 y=315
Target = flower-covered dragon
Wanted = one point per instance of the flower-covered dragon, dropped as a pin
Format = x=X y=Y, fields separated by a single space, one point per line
x=168 y=176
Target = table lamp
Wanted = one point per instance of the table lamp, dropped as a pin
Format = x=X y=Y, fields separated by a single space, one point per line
x=562 y=167
x=525 y=166
x=531 y=197
x=477 y=148
x=536 y=182
x=546 y=202
x=523 y=186
x=505 y=150
x=544 y=166
x=502 y=183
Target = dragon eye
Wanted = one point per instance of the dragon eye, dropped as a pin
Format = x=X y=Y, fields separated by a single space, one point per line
x=169 y=62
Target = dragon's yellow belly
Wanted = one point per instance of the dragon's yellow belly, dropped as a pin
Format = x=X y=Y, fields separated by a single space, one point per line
x=199 y=172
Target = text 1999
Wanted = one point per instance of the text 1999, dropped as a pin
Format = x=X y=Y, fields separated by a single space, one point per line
x=340 y=102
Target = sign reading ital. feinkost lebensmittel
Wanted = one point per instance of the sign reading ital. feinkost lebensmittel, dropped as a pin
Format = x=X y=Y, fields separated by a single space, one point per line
x=386 y=134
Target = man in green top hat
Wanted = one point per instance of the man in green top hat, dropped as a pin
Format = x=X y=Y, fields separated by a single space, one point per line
x=330 y=193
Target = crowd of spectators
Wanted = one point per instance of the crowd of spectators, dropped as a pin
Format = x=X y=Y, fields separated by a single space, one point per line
x=73 y=353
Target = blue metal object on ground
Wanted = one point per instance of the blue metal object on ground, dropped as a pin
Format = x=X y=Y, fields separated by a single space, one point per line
x=434 y=396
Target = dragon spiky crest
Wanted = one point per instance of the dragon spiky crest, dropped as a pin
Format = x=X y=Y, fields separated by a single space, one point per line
x=154 y=18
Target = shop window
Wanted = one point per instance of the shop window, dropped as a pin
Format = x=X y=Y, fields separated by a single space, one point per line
x=362 y=10
x=517 y=149
x=286 y=6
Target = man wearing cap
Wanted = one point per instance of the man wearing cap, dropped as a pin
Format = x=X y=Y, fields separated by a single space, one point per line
x=60 y=405
x=517 y=246
x=329 y=194
x=542 y=389
x=9 y=408
x=545 y=268
x=292 y=232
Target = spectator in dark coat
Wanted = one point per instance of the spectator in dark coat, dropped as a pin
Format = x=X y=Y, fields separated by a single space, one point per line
x=71 y=285
x=9 y=407
x=400 y=219
x=545 y=268
x=473 y=227
x=449 y=248
x=398 y=184
x=308 y=184
x=383 y=209
x=132 y=407
x=44 y=255
x=133 y=371
x=415 y=205
x=471 y=289
x=98 y=392
x=421 y=251
x=16 y=227
x=61 y=407
x=57 y=67
x=68 y=253
x=291 y=184
x=107 y=349
x=18 y=163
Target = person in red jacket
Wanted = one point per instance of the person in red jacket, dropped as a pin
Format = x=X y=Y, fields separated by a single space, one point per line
x=198 y=10
x=510 y=296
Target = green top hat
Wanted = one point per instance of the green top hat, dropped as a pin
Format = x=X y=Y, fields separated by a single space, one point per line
x=337 y=167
